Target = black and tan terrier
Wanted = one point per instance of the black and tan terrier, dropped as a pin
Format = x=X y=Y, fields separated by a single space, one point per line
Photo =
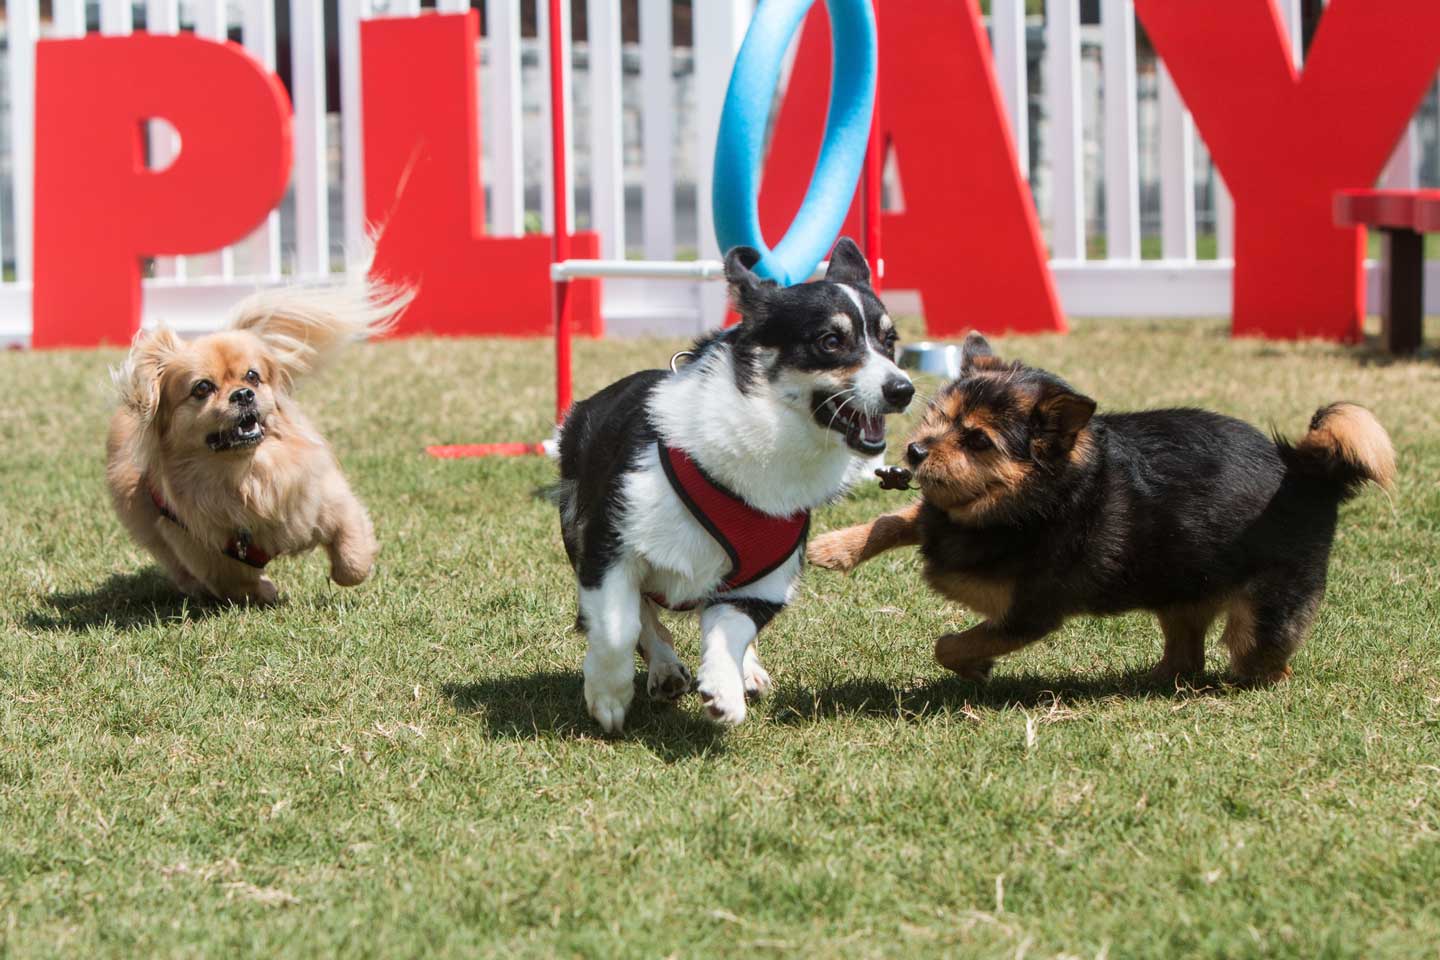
x=1035 y=510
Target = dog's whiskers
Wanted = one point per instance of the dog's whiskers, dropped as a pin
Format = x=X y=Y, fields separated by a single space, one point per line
x=841 y=406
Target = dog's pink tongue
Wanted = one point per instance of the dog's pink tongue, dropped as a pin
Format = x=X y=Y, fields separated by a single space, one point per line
x=872 y=429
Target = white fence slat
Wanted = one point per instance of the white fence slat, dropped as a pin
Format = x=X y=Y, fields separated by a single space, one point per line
x=22 y=29
x=257 y=32
x=307 y=53
x=1224 y=220
x=607 y=139
x=1122 y=183
x=657 y=83
x=1402 y=172
x=1065 y=136
x=1007 y=22
x=352 y=146
x=117 y=17
x=452 y=6
x=542 y=21
x=163 y=17
x=69 y=18
x=212 y=22
x=1291 y=19
x=504 y=103
x=719 y=29
x=1177 y=173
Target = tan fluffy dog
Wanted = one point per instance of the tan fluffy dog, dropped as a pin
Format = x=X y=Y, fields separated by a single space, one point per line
x=214 y=468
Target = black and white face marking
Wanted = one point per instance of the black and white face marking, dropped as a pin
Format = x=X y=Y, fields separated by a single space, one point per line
x=829 y=345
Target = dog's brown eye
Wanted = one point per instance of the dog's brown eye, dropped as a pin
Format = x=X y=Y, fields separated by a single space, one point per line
x=202 y=389
x=252 y=378
x=978 y=441
x=832 y=342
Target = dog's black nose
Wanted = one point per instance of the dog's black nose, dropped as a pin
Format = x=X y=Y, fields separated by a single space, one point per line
x=915 y=453
x=898 y=392
x=244 y=396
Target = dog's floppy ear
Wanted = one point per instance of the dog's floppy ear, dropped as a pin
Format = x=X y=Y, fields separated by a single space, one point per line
x=1059 y=416
x=847 y=264
x=975 y=354
x=138 y=379
x=749 y=292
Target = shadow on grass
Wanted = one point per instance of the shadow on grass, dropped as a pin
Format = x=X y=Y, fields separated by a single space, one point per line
x=860 y=697
x=548 y=704
x=126 y=601
x=1371 y=352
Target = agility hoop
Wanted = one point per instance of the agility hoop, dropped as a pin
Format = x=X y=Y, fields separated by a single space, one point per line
x=850 y=149
x=739 y=150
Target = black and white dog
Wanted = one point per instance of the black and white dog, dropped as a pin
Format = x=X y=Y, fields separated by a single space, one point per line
x=693 y=489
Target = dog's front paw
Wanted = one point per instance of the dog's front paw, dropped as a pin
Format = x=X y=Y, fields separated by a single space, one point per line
x=757 y=678
x=353 y=568
x=264 y=592
x=669 y=680
x=951 y=654
x=837 y=550
x=608 y=706
x=723 y=693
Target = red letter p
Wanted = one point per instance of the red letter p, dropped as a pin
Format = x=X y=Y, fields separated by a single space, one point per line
x=99 y=210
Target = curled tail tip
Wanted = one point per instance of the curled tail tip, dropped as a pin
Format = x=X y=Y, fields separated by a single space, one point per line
x=1346 y=441
x=306 y=326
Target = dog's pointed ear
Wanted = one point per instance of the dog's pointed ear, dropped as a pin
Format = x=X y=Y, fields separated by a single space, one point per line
x=138 y=380
x=975 y=353
x=749 y=292
x=1059 y=416
x=847 y=264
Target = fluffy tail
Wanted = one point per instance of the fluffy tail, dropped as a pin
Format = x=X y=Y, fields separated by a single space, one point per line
x=307 y=327
x=1345 y=447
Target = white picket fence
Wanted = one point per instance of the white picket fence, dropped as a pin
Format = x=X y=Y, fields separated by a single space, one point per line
x=645 y=117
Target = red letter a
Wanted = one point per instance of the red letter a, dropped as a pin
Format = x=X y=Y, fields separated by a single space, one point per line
x=968 y=238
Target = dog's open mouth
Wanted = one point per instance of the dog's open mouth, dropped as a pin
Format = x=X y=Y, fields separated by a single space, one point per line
x=248 y=431
x=862 y=431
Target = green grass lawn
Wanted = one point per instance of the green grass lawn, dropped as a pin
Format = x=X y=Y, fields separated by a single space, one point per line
x=406 y=768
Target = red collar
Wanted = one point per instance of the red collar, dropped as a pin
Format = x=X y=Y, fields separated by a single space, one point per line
x=237 y=547
x=757 y=543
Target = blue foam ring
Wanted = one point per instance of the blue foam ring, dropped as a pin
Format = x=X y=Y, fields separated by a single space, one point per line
x=740 y=146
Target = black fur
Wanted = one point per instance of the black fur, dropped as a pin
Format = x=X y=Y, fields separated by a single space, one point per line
x=1175 y=506
x=1183 y=512
x=760 y=611
x=602 y=440
x=605 y=434
x=781 y=319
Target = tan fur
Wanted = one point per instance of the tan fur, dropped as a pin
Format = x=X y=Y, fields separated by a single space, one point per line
x=288 y=492
x=1351 y=432
x=988 y=596
x=971 y=653
x=1184 y=628
x=966 y=484
x=1252 y=664
x=844 y=550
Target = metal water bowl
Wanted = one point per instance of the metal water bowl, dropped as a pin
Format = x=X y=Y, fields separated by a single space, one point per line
x=936 y=359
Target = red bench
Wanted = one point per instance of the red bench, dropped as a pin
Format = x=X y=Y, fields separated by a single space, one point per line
x=1403 y=216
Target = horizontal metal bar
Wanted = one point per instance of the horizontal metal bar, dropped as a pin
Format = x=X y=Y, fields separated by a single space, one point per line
x=650 y=269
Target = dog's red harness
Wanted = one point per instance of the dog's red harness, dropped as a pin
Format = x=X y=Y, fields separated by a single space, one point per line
x=237 y=547
x=757 y=543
